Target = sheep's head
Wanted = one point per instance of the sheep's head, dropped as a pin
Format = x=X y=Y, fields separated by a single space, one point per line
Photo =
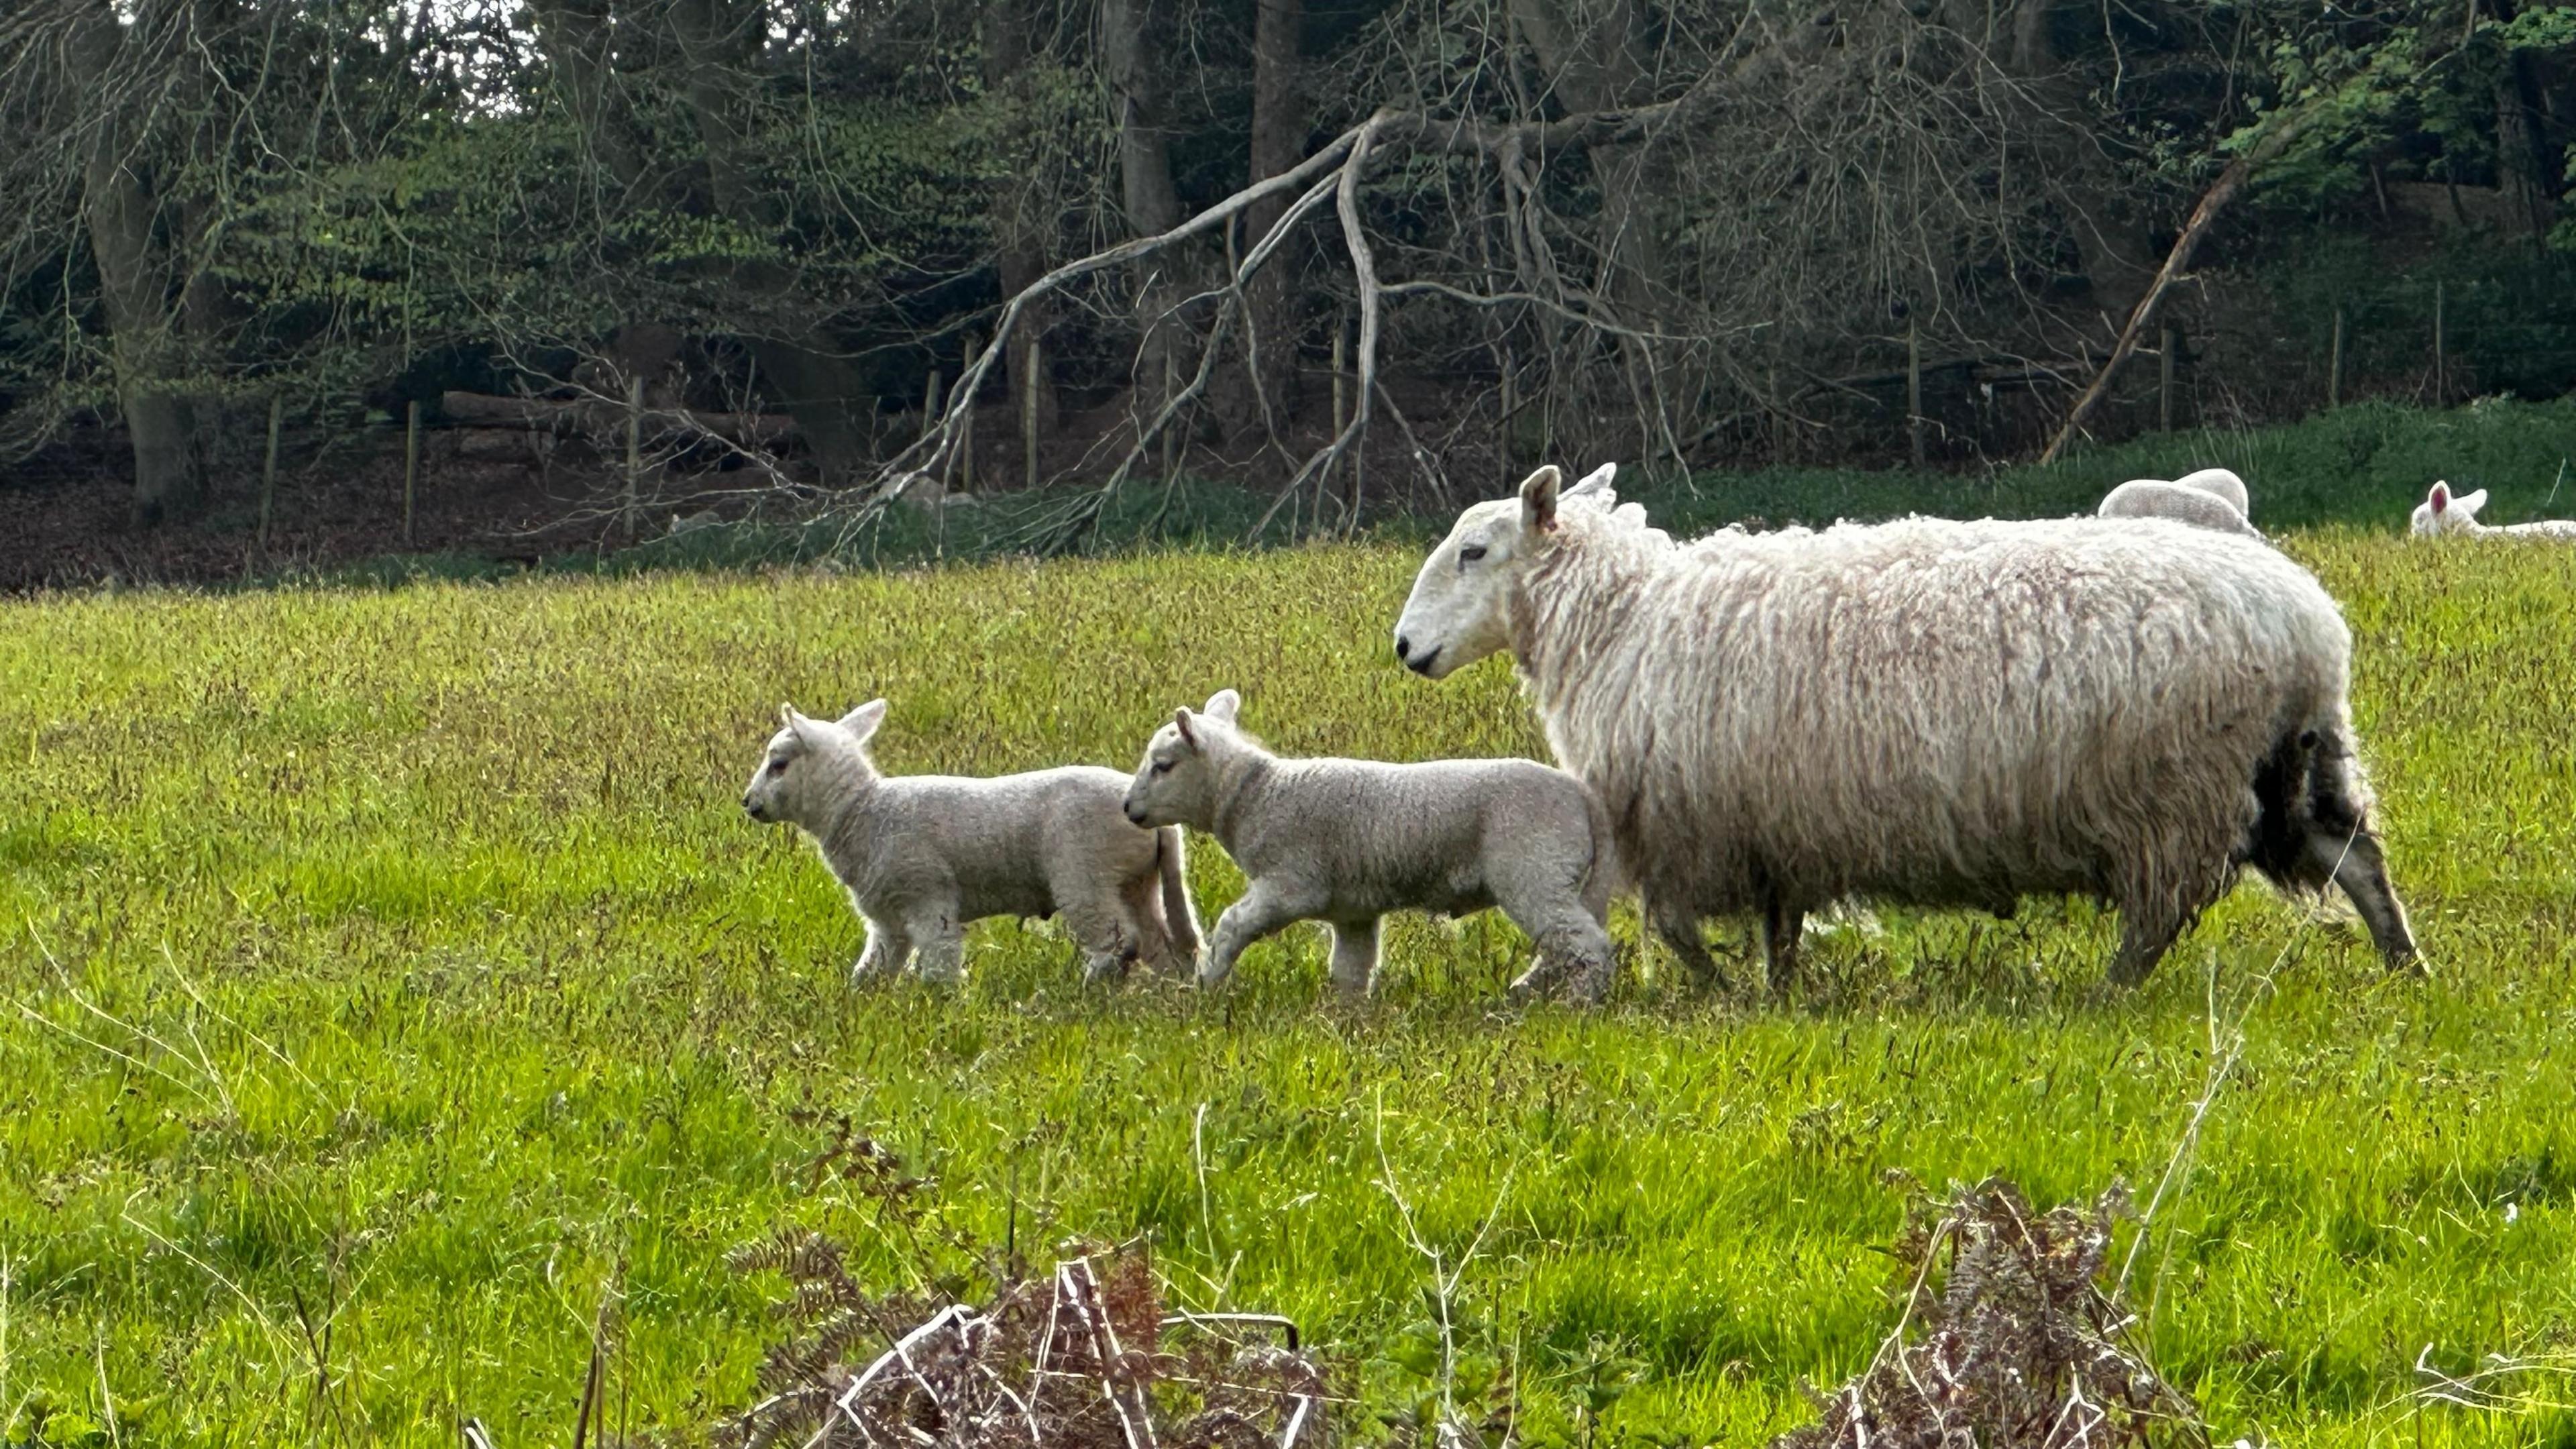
x=2445 y=512
x=1176 y=784
x=809 y=762
x=1457 y=612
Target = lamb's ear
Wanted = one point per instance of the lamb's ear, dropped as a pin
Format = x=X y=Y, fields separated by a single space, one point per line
x=2439 y=498
x=863 y=721
x=1596 y=482
x=1538 y=498
x=1181 y=721
x=1222 y=705
x=797 y=724
x=2470 y=503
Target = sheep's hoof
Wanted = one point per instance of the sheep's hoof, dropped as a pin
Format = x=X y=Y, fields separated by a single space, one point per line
x=1105 y=969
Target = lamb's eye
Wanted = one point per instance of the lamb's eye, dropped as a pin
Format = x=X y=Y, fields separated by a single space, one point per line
x=1471 y=553
x=778 y=767
x=1162 y=767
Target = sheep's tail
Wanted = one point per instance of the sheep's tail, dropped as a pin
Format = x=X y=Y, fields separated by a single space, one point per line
x=1179 y=917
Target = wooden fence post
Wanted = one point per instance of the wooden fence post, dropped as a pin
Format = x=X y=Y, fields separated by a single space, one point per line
x=1914 y=389
x=2164 y=383
x=411 y=463
x=2334 y=365
x=268 y=468
x=1029 y=385
x=966 y=439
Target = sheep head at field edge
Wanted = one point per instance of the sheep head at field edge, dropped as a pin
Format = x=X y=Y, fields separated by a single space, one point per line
x=779 y=786
x=1456 y=613
x=2442 y=511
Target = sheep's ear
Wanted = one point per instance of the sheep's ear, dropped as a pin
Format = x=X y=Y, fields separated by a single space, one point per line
x=1538 y=498
x=863 y=721
x=1595 y=482
x=797 y=724
x=1222 y=705
x=2470 y=503
x=1181 y=721
x=2440 y=497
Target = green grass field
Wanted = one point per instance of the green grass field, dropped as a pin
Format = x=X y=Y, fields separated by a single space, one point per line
x=389 y=972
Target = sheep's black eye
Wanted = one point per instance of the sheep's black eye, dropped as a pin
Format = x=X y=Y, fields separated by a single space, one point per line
x=1162 y=767
x=778 y=767
x=1471 y=553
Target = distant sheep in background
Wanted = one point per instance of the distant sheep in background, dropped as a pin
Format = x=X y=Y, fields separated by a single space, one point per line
x=2212 y=498
x=1923 y=712
x=1346 y=841
x=922 y=855
x=2443 y=513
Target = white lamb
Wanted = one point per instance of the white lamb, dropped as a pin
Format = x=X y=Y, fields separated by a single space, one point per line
x=1924 y=712
x=2443 y=513
x=2212 y=498
x=922 y=855
x=1346 y=841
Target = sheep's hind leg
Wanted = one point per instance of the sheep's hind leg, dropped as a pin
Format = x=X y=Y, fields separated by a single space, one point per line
x=1355 y=956
x=940 y=943
x=1107 y=937
x=1679 y=930
x=2361 y=869
x=2146 y=934
x=1782 y=923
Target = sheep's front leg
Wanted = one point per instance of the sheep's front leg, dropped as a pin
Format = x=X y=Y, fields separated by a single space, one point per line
x=1266 y=906
x=1678 y=926
x=1355 y=955
x=1782 y=923
x=940 y=944
x=883 y=955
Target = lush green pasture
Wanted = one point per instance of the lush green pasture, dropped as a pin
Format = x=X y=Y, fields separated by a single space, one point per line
x=388 y=972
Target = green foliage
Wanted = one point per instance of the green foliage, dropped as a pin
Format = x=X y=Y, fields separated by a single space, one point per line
x=399 y=963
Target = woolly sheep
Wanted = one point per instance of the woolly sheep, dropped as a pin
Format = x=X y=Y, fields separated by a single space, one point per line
x=2201 y=499
x=2442 y=512
x=922 y=855
x=1346 y=841
x=1924 y=712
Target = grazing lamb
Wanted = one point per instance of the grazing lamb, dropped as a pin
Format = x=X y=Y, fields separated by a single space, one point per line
x=1924 y=712
x=2202 y=499
x=2442 y=512
x=922 y=855
x=1346 y=841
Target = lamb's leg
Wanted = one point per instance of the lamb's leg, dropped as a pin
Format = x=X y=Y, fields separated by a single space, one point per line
x=1265 y=906
x=1678 y=927
x=2361 y=869
x=1106 y=935
x=883 y=955
x=940 y=945
x=1355 y=954
x=1782 y=923
x=1140 y=906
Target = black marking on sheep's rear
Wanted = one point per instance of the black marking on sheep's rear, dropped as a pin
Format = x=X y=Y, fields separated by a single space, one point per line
x=2300 y=788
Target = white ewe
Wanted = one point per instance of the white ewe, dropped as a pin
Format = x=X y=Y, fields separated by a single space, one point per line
x=922 y=855
x=2442 y=512
x=1924 y=712
x=1346 y=841
x=2203 y=504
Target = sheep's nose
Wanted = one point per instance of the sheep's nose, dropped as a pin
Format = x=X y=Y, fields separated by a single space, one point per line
x=1135 y=815
x=1403 y=648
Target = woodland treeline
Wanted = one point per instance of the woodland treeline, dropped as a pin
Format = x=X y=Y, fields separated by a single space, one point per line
x=1326 y=244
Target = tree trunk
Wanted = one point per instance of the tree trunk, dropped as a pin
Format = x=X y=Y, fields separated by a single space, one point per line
x=1018 y=212
x=118 y=206
x=1588 y=48
x=575 y=36
x=810 y=382
x=1278 y=142
x=1152 y=204
x=2524 y=172
x=2110 y=241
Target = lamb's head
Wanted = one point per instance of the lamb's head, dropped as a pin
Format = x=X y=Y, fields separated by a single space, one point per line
x=1458 y=611
x=2445 y=512
x=811 y=764
x=1176 y=782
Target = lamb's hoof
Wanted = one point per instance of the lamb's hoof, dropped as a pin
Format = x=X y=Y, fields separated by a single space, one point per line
x=1105 y=970
x=1527 y=986
x=1212 y=980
